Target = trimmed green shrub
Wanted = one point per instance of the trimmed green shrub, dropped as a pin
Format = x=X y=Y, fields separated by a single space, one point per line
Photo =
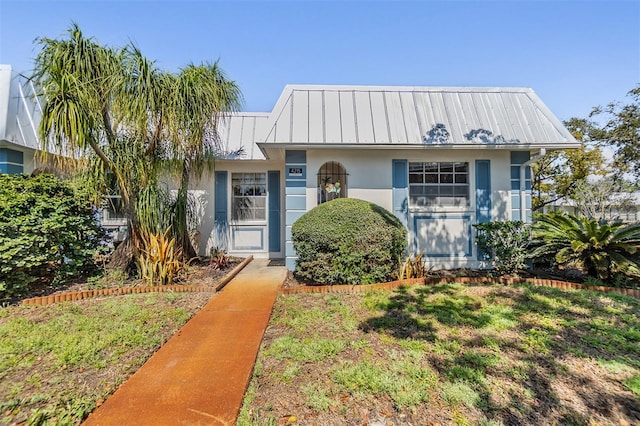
x=348 y=241
x=505 y=244
x=46 y=232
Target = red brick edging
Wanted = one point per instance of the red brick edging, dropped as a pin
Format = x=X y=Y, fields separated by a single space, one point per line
x=354 y=289
x=88 y=294
x=225 y=280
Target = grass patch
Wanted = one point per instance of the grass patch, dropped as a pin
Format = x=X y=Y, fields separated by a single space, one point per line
x=460 y=393
x=311 y=349
x=317 y=397
x=476 y=354
x=58 y=361
x=633 y=384
x=406 y=383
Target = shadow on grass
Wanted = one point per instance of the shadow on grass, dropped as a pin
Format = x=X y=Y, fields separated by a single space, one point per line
x=400 y=319
x=541 y=327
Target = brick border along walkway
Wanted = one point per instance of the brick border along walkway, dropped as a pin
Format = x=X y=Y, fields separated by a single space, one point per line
x=88 y=294
x=565 y=285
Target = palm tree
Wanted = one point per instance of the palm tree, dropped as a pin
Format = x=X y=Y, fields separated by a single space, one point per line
x=120 y=120
x=202 y=96
x=602 y=248
x=102 y=110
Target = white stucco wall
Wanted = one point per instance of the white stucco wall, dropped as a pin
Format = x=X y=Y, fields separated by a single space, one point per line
x=29 y=161
x=369 y=174
x=443 y=232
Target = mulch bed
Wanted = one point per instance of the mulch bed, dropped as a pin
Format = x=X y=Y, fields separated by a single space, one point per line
x=199 y=276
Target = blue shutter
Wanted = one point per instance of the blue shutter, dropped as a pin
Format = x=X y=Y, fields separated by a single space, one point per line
x=273 y=183
x=483 y=191
x=483 y=196
x=400 y=190
x=11 y=162
x=221 y=207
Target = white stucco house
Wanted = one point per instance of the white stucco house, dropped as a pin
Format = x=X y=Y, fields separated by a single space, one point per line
x=440 y=158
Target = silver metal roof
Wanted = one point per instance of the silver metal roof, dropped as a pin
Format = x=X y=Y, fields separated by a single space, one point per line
x=381 y=115
x=243 y=130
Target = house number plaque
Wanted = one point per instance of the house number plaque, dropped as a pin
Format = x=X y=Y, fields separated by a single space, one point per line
x=295 y=171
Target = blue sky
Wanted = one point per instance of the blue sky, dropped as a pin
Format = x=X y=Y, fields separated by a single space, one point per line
x=574 y=54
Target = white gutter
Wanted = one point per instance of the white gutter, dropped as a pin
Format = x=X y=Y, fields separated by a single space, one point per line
x=523 y=186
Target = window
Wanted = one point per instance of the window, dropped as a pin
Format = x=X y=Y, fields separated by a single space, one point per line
x=249 y=198
x=113 y=209
x=332 y=182
x=438 y=184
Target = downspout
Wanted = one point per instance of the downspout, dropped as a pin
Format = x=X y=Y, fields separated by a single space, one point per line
x=523 y=186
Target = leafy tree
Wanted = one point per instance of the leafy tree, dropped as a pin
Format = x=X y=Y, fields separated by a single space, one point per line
x=200 y=97
x=602 y=248
x=558 y=173
x=621 y=130
x=596 y=199
x=120 y=120
x=563 y=174
x=102 y=116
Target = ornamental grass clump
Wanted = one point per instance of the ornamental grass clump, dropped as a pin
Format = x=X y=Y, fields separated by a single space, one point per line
x=159 y=261
x=348 y=241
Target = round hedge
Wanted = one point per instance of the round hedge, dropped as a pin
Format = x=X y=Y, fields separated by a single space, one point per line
x=348 y=241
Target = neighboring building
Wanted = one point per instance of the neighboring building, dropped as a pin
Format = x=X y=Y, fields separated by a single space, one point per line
x=19 y=117
x=624 y=206
x=440 y=158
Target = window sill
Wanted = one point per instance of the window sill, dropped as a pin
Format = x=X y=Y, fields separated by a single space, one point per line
x=440 y=209
x=250 y=223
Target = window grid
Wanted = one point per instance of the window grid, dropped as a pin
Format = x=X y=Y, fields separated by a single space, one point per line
x=249 y=197
x=439 y=184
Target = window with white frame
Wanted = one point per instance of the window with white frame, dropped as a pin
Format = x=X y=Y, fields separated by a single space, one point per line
x=249 y=199
x=438 y=184
x=113 y=209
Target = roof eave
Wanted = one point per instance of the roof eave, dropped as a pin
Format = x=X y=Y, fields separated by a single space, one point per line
x=460 y=146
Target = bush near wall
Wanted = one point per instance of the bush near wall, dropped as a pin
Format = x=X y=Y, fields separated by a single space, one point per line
x=505 y=244
x=47 y=232
x=348 y=241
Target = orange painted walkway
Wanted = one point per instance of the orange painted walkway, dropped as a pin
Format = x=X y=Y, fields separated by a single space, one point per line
x=200 y=375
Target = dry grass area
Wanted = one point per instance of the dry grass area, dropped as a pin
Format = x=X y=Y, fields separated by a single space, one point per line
x=449 y=354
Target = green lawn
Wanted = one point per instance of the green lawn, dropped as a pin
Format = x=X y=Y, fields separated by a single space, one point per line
x=58 y=362
x=449 y=354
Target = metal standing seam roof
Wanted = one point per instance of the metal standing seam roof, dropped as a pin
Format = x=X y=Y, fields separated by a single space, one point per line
x=243 y=130
x=388 y=115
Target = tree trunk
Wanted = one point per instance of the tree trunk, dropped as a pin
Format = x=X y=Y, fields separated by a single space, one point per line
x=122 y=258
x=181 y=229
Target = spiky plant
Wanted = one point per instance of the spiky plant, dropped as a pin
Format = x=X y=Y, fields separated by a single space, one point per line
x=602 y=248
x=159 y=262
x=201 y=96
x=414 y=266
